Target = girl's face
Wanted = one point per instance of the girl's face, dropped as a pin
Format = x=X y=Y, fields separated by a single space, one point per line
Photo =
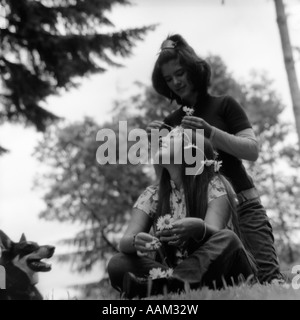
x=175 y=149
x=177 y=80
x=170 y=147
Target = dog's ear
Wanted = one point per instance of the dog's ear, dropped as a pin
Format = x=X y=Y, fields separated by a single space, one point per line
x=23 y=238
x=5 y=242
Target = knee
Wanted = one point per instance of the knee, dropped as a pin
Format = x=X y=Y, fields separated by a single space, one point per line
x=114 y=266
x=231 y=239
x=115 y=270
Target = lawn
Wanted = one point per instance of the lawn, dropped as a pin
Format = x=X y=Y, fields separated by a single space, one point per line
x=243 y=292
x=104 y=291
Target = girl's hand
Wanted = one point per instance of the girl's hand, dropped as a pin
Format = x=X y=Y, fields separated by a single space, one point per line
x=197 y=123
x=154 y=125
x=145 y=244
x=182 y=231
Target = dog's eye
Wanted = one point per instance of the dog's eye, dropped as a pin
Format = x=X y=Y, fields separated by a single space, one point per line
x=29 y=248
x=33 y=247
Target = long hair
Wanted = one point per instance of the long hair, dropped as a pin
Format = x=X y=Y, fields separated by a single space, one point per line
x=196 y=189
x=196 y=197
x=198 y=70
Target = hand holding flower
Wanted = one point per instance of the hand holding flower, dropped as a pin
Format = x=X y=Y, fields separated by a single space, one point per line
x=145 y=243
x=182 y=231
x=164 y=228
x=168 y=236
x=190 y=122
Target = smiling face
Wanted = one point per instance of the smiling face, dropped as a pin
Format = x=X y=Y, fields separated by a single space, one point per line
x=170 y=147
x=182 y=149
x=177 y=80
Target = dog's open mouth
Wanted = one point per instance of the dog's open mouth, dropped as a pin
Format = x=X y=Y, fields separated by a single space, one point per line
x=39 y=266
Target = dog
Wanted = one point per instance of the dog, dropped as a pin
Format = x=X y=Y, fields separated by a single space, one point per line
x=21 y=262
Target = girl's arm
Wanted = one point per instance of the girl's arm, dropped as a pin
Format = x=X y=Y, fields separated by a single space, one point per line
x=218 y=215
x=243 y=145
x=136 y=235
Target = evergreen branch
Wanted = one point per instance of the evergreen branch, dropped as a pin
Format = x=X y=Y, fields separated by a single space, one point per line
x=3 y=151
x=95 y=216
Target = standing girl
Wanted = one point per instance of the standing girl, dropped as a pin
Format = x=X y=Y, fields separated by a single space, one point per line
x=180 y=75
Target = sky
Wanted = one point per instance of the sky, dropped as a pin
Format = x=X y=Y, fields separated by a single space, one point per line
x=243 y=32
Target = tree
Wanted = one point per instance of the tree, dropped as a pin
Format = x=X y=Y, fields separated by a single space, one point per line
x=280 y=186
x=99 y=197
x=222 y=81
x=289 y=61
x=276 y=173
x=46 y=45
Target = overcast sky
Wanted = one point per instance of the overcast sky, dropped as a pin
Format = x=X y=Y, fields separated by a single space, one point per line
x=243 y=32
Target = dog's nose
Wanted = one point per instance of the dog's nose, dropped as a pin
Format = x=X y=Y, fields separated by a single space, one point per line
x=51 y=249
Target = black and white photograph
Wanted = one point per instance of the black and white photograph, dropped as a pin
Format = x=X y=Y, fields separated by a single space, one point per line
x=149 y=152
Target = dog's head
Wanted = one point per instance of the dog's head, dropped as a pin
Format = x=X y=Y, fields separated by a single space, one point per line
x=25 y=255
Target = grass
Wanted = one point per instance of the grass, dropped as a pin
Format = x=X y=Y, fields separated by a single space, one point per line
x=242 y=292
x=104 y=291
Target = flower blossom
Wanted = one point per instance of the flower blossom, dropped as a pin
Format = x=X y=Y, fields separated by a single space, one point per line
x=154 y=245
x=188 y=111
x=218 y=165
x=165 y=222
x=158 y=273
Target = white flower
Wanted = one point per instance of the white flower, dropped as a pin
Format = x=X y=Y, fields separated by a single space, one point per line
x=188 y=111
x=209 y=163
x=157 y=273
x=182 y=254
x=177 y=131
x=154 y=245
x=169 y=273
x=165 y=223
x=218 y=165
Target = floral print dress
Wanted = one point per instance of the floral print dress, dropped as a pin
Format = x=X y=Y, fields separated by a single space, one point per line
x=148 y=202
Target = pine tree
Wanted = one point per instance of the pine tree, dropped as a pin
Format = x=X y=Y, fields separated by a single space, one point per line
x=289 y=61
x=80 y=190
x=47 y=44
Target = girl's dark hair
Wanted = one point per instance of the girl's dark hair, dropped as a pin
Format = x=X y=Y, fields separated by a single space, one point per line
x=198 y=70
x=195 y=188
x=196 y=196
